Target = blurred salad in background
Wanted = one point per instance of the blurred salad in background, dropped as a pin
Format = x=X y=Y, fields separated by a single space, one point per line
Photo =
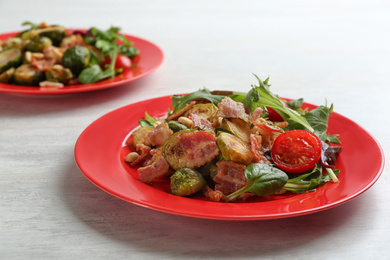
x=52 y=56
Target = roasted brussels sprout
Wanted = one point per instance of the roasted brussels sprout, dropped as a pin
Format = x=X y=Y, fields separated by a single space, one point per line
x=186 y=181
x=13 y=42
x=10 y=58
x=38 y=44
x=76 y=58
x=176 y=126
x=54 y=33
x=28 y=75
x=140 y=133
x=213 y=171
x=206 y=110
x=7 y=76
x=190 y=148
x=231 y=148
x=59 y=73
x=237 y=127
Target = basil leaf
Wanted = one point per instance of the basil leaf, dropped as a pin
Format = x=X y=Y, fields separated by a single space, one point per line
x=262 y=180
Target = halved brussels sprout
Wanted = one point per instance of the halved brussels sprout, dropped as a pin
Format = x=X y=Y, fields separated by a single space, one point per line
x=7 y=76
x=38 y=44
x=59 y=73
x=140 y=133
x=176 y=126
x=76 y=58
x=13 y=42
x=237 y=127
x=231 y=148
x=186 y=181
x=207 y=110
x=28 y=75
x=54 y=33
x=10 y=58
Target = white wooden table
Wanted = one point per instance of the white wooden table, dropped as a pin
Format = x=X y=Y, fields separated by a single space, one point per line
x=337 y=51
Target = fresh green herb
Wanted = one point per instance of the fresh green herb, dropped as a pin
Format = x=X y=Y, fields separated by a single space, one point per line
x=310 y=181
x=92 y=74
x=148 y=121
x=261 y=95
x=318 y=118
x=262 y=180
x=296 y=105
x=107 y=42
x=179 y=102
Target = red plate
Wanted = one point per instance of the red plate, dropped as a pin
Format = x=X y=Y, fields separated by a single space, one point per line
x=149 y=59
x=100 y=152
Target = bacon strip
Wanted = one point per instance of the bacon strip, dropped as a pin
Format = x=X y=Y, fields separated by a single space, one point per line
x=213 y=195
x=228 y=108
x=230 y=177
x=159 y=135
x=201 y=122
x=155 y=168
x=143 y=150
x=200 y=147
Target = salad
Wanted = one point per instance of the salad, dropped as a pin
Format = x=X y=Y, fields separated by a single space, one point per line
x=51 y=56
x=232 y=146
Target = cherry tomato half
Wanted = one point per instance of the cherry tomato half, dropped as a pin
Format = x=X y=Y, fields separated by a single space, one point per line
x=122 y=62
x=296 y=151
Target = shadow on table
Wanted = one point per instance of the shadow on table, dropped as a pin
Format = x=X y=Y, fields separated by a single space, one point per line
x=167 y=235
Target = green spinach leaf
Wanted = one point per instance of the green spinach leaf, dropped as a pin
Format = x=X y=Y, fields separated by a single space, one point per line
x=262 y=180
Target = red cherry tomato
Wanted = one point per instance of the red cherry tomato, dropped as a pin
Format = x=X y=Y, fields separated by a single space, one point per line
x=122 y=62
x=296 y=151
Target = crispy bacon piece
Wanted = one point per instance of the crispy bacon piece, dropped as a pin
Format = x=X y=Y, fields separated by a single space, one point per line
x=257 y=150
x=228 y=108
x=200 y=147
x=42 y=63
x=54 y=53
x=156 y=167
x=230 y=177
x=201 y=122
x=72 y=40
x=262 y=123
x=143 y=151
x=213 y=195
x=159 y=135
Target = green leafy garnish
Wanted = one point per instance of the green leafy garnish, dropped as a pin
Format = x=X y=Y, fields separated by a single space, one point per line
x=318 y=118
x=107 y=42
x=179 y=102
x=261 y=95
x=310 y=181
x=148 y=121
x=262 y=180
